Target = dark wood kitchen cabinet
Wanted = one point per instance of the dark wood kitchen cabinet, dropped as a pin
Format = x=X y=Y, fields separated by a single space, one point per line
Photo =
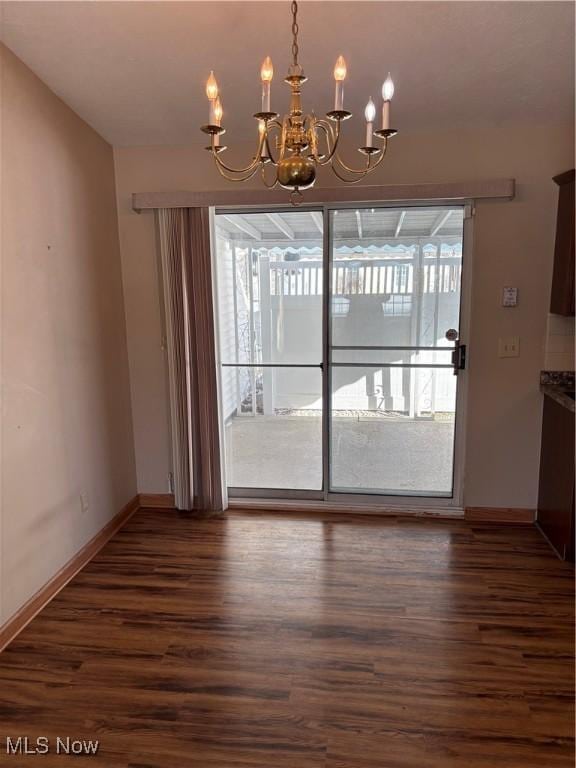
x=556 y=490
x=562 y=299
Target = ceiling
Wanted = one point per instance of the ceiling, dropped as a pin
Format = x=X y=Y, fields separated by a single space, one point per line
x=352 y=228
x=135 y=71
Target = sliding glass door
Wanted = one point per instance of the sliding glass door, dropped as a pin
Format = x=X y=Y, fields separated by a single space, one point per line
x=337 y=373
x=392 y=382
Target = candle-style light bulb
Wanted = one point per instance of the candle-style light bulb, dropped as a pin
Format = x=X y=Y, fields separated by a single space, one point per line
x=266 y=75
x=339 y=75
x=217 y=111
x=267 y=70
x=212 y=87
x=387 y=93
x=340 y=68
x=369 y=114
x=388 y=88
x=212 y=93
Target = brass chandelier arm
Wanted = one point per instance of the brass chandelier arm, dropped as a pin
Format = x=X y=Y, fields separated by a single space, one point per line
x=245 y=177
x=349 y=181
x=221 y=165
x=270 y=155
x=272 y=124
x=380 y=156
x=360 y=173
x=332 y=140
x=263 y=174
x=369 y=166
x=255 y=162
x=355 y=171
x=315 y=153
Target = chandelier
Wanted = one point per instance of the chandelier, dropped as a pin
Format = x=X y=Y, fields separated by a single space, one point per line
x=301 y=142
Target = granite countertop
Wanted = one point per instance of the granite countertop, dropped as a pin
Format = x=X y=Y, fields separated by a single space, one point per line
x=559 y=385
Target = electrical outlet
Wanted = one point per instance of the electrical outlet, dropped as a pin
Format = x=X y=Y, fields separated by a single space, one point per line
x=509 y=347
x=84 y=505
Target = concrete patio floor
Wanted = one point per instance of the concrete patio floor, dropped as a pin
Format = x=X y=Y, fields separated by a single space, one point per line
x=376 y=454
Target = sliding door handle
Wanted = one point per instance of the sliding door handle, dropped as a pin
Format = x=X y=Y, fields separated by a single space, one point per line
x=459 y=352
x=459 y=358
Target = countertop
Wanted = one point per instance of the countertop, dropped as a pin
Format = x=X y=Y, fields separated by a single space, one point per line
x=559 y=385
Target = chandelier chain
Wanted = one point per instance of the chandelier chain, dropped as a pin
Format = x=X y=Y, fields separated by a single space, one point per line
x=295 y=32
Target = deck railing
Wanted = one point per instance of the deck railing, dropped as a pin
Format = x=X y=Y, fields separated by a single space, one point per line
x=374 y=277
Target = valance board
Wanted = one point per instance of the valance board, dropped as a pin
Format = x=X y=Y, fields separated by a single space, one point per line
x=466 y=190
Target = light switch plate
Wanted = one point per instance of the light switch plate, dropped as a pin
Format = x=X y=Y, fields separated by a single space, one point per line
x=509 y=296
x=509 y=346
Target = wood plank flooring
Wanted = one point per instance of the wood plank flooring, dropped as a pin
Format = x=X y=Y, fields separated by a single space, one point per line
x=262 y=640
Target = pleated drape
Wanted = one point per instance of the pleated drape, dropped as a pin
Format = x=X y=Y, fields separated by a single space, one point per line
x=184 y=236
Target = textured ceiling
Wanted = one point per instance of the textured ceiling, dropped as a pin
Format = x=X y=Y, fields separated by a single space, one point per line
x=135 y=71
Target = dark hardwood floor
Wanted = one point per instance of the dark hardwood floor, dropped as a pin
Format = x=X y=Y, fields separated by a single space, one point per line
x=291 y=642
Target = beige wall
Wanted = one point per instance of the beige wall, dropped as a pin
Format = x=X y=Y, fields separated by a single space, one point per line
x=513 y=246
x=66 y=421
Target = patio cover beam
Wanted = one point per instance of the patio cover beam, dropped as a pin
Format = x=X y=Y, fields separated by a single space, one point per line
x=440 y=221
x=317 y=219
x=359 y=224
x=241 y=224
x=280 y=223
x=400 y=222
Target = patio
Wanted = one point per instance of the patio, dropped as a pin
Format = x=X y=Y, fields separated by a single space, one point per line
x=377 y=452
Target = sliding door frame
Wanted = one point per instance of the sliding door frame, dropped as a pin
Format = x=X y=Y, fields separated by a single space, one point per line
x=425 y=502
x=293 y=494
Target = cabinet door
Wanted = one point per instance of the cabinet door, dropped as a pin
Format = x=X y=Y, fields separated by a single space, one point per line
x=556 y=491
x=562 y=299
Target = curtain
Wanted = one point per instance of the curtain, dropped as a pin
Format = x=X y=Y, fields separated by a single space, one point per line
x=184 y=239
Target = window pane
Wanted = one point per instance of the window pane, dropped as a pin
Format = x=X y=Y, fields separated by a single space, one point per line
x=274 y=432
x=270 y=285
x=380 y=443
x=396 y=275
